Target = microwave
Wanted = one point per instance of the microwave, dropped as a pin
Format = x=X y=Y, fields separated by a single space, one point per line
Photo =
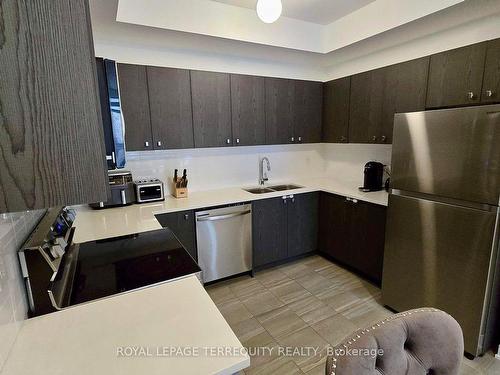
x=149 y=190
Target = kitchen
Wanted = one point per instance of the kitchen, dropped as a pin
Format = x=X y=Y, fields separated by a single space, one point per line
x=246 y=162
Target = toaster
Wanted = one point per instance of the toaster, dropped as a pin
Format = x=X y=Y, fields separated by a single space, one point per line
x=149 y=190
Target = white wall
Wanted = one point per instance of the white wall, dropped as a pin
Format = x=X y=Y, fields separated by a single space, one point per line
x=466 y=23
x=470 y=22
x=213 y=168
x=14 y=229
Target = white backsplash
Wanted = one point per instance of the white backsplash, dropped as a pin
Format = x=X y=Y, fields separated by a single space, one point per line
x=14 y=229
x=214 y=168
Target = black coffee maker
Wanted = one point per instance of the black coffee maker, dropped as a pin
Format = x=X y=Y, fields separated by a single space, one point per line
x=374 y=173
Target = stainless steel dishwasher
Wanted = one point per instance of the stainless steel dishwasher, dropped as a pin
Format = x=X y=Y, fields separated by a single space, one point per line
x=224 y=238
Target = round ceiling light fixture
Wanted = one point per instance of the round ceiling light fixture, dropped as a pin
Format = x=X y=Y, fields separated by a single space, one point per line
x=269 y=10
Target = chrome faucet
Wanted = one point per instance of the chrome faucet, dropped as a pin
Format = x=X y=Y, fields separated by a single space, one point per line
x=262 y=173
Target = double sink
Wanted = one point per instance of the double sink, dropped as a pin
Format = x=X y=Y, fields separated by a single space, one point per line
x=272 y=189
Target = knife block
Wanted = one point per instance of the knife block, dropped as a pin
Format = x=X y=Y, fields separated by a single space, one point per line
x=179 y=192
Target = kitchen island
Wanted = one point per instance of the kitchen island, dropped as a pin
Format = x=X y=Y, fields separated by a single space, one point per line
x=172 y=328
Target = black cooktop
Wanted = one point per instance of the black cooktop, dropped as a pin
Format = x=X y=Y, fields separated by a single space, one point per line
x=121 y=264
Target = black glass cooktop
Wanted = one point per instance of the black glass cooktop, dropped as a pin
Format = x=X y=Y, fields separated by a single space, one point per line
x=121 y=264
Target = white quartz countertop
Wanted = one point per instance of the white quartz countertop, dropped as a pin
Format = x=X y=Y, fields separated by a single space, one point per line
x=88 y=339
x=93 y=224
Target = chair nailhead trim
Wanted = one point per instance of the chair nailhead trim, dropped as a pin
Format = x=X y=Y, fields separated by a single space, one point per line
x=367 y=330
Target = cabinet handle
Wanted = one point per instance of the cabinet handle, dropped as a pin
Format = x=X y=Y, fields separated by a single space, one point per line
x=489 y=93
x=300 y=139
x=228 y=141
x=471 y=95
x=384 y=138
x=343 y=139
x=237 y=141
x=374 y=138
x=158 y=143
x=186 y=216
x=292 y=139
x=146 y=144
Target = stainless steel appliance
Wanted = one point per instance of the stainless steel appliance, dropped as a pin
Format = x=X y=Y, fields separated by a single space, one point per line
x=443 y=219
x=41 y=256
x=149 y=190
x=122 y=192
x=224 y=238
x=373 y=175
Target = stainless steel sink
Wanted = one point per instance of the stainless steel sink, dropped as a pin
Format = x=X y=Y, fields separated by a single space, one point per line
x=272 y=189
x=284 y=187
x=259 y=190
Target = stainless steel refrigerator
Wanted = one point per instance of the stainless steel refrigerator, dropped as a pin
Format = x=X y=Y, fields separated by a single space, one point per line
x=443 y=218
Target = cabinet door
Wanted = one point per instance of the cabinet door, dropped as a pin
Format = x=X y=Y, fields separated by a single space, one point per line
x=404 y=91
x=269 y=223
x=279 y=110
x=134 y=100
x=336 y=110
x=248 y=110
x=302 y=211
x=367 y=238
x=211 y=109
x=170 y=107
x=51 y=137
x=182 y=224
x=455 y=77
x=334 y=226
x=366 y=105
x=102 y=82
x=308 y=102
x=491 y=80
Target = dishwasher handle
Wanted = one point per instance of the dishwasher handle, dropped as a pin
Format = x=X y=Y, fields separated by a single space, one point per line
x=222 y=217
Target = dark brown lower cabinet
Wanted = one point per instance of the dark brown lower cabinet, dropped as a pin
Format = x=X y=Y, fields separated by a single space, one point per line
x=284 y=227
x=182 y=224
x=353 y=232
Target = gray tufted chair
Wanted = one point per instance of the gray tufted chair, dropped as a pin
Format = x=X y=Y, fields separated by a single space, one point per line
x=421 y=341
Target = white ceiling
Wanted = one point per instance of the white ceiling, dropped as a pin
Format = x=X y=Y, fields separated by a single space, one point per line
x=316 y=11
x=223 y=20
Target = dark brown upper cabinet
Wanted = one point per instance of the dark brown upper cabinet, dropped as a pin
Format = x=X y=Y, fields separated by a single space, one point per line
x=134 y=100
x=366 y=105
x=456 y=76
x=378 y=94
x=51 y=135
x=280 y=99
x=491 y=80
x=170 y=108
x=248 y=110
x=336 y=95
x=404 y=91
x=307 y=108
x=211 y=100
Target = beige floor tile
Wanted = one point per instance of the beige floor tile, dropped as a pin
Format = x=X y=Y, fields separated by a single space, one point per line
x=315 y=361
x=317 y=370
x=277 y=366
x=311 y=309
x=337 y=299
x=366 y=290
x=234 y=311
x=317 y=263
x=315 y=283
x=271 y=277
x=306 y=340
x=365 y=314
x=334 y=329
x=289 y=292
x=296 y=269
x=244 y=286
x=220 y=293
x=261 y=302
x=281 y=322
x=248 y=329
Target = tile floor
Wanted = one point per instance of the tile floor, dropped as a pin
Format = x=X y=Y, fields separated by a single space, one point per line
x=310 y=302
